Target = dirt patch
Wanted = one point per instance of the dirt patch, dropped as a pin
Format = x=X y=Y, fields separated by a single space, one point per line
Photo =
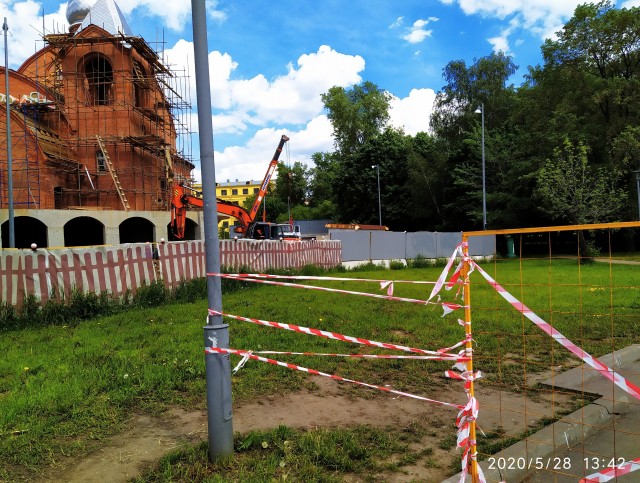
x=149 y=438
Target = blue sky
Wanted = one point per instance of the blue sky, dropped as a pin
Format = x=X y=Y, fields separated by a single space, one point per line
x=271 y=61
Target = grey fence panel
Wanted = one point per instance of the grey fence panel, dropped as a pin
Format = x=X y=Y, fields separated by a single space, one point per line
x=447 y=242
x=482 y=246
x=421 y=243
x=356 y=245
x=387 y=245
x=378 y=245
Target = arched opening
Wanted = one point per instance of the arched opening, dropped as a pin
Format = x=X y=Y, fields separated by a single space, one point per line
x=136 y=230
x=27 y=230
x=99 y=80
x=83 y=231
x=191 y=231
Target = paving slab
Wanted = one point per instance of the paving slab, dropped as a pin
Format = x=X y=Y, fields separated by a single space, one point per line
x=591 y=439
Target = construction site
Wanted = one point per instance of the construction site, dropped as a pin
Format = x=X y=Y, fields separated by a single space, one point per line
x=99 y=135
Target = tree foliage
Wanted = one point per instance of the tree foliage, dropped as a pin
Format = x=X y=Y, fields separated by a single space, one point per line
x=356 y=114
x=572 y=190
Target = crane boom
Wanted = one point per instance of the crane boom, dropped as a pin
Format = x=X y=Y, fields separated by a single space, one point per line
x=267 y=177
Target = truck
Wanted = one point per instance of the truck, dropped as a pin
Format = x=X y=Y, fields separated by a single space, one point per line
x=185 y=197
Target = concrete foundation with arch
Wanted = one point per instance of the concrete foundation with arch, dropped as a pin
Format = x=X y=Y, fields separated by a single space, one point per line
x=69 y=228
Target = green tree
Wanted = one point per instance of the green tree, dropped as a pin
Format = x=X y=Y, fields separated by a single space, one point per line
x=356 y=114
x=457 y=128
x=467 y=87
x=323 y=177
x=427 y=178
x=587 y=91
x=356 y=186
x=292 y=183
x=569 y=189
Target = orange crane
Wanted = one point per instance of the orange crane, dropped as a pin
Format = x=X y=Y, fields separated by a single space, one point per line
x=185 y=197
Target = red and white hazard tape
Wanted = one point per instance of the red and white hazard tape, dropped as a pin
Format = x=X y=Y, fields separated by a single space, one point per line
x=463 y=422
x=309 y=277
x=448 y=307
x=250 y=355
x=336 y=336
x=603 y=369
x=443 y=276
x=613 y=472
x=369 y=356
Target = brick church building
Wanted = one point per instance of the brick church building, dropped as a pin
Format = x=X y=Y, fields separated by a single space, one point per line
x=96 y=131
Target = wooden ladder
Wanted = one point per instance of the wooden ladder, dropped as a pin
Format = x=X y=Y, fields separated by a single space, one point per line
x=116 y=181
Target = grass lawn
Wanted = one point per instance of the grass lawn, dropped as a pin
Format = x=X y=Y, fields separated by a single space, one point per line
x=64 y=388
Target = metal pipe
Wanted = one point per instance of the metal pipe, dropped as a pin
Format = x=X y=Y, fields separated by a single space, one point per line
x=12 y=232
x=484 y=189
x=377 y=166
x=466 y=269
x=216 y=333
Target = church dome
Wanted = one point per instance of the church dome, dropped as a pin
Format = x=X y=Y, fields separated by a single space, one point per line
x=77 y=10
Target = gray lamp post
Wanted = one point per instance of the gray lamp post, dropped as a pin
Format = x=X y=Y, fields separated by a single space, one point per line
x=377 y=166
x=480 y=110
x=12 y=232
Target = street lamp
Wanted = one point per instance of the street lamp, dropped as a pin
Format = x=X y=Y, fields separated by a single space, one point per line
x=377 y=166
x=12 y=229
x=480 y=110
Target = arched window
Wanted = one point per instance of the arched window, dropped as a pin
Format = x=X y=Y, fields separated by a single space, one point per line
x=99 y=80
x=100 y=161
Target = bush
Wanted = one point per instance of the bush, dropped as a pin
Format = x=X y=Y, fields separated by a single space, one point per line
x=420 y=262
x=190 y=291
x=8 y=316
x=311 y=271
x=396 y=265
x=365 y=267
x=151 y=295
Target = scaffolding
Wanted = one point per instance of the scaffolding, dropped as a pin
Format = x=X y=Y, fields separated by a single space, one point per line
x=93 y=84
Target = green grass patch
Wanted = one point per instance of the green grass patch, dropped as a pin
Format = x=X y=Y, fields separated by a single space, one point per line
x=67 y=383
x=285 y=454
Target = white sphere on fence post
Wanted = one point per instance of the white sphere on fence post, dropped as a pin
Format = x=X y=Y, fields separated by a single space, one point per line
x=34 y=247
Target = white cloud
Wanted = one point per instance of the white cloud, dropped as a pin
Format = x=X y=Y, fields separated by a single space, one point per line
x=397 y=23
x=542 y=17
x=24 y=20
x=413 y=112
x=250 y=162
x=418 y=32
x=292 y=98
x=630 y=4
x=500 y=43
